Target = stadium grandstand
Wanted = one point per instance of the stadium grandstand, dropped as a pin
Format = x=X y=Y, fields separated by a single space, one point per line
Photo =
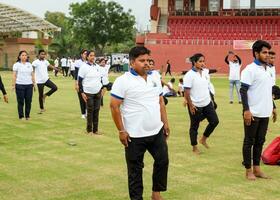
x=180 y=28
x=21 y=30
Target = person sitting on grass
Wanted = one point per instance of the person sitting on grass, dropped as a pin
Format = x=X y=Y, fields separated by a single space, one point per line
x=169 y=91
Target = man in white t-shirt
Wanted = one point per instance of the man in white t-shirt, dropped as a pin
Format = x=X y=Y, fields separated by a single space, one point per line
x=256 y=93
x=42 y=78
x=234 y=74
x=139 y=113
x=271 y=62
x=56 y=66
x=63 y=65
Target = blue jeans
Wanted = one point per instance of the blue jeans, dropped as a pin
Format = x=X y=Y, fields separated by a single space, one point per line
x=235 y=83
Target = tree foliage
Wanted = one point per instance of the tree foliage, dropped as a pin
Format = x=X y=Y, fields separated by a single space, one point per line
x=101 y=24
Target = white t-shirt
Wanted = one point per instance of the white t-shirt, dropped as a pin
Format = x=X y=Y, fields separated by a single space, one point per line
x=211 y=87
x=165 y=89
x=93 y=77
x=272 y=73
x=79 y=63
x=234 y=71
x=199 y=88
x=180 y=87
x=72 y=65
x=140 y=108
x=63 y=62
x=260 y=89
x=41 y=70
x=24 y=73
x=56 y=63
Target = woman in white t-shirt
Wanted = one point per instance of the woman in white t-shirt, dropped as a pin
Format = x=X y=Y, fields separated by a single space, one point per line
x=91 y=80
x=199 y=102
x=23 y=83
x=105 y=72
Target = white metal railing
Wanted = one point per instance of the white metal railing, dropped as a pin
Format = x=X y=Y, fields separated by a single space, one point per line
x=209 y=42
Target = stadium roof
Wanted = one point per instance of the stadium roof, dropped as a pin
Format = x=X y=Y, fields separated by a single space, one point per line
x=13 y=19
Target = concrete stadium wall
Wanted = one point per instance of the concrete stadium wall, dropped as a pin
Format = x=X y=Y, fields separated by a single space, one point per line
x=214 y=54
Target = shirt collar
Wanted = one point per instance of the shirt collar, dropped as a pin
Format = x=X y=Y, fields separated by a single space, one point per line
x=91 y=64
x=132 y=71
x=194 y=69
x=258 y=62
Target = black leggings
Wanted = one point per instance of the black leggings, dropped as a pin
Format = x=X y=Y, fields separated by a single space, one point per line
x=210 y=114
x=253 y=141
x=24 y=96
x=82 y=104
x=41 y=86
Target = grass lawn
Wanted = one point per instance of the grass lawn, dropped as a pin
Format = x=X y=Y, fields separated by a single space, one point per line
x=37 y=161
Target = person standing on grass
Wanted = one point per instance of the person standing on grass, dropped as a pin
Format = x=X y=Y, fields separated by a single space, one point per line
x=272 y=57
x=139 y=114
x=256 y=93
x=2 y=88
x=105 y=73
x=78 y=64
x=199 y=103
x=42 y=78
x=72 y=68
x=23 y=83
x=168 y=68
x=234 y=74
x=56 y=66
x=91 y=81
x=63 y=62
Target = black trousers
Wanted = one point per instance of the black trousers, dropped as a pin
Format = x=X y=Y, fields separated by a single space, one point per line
x=134 y=153
x=254 y=139
x=168 y=70
x=41 y=86
x=72 y=72
x=82 y=104
x=93 y=107
x=24 y=96
x=211 y=116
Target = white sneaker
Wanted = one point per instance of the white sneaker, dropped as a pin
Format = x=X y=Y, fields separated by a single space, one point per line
x=84 y=117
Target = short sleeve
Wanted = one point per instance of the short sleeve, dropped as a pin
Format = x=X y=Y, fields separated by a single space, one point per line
x=119 y=88
x=187 y=81
x=82 y=72
x=47 y=63
x=35 y=63
x=15 y=67
x=247 y=77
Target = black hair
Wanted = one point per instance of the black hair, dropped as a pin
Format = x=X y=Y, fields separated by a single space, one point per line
x=41 y=51
x=137 y=51
x=101 y=59
x=19 y=54
x=172 y=80
x=181 y=80
x=90 y=51
x=258 y=46
x=196 y=57
x=272 y=53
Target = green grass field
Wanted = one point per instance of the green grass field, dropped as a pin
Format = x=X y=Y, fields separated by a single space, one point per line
x=37 y=162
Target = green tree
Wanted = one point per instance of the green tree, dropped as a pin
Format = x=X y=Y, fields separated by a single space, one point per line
x=100 y=24
x=64 y=43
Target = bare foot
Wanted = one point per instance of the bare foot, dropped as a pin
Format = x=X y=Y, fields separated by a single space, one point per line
x=156 y=196
x=203 y=142
x=250 y=175
x=258 y=173
x=196 y=150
